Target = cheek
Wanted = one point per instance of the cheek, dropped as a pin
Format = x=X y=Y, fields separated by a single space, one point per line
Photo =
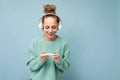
x=45 y=30
x=55 y=30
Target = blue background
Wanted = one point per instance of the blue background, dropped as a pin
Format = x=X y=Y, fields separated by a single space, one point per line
x=91 y=27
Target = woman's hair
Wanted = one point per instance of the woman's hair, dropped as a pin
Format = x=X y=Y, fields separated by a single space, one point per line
x=50 y=11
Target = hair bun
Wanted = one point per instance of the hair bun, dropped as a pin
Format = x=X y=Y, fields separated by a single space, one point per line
x=49 y=9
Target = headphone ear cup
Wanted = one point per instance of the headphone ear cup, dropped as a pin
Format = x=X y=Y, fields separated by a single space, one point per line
x=40 y=25
x=60 y=26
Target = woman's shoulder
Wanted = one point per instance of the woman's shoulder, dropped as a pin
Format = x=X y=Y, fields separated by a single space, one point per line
x=61 y=39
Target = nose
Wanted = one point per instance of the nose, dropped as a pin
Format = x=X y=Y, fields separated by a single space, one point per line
x=50 y=30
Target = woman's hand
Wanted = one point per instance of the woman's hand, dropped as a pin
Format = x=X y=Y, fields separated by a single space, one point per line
x=43 y=56
x=56 y=57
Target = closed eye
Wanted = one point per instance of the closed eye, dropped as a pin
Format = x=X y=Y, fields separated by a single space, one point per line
x=47 y=27
x=54 y=27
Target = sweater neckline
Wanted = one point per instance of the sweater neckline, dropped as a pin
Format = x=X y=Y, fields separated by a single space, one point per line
x=43 y=37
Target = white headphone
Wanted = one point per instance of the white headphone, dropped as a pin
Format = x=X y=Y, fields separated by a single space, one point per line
x=40 y=25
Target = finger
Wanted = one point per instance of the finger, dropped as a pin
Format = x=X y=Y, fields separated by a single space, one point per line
x=44 y=57
x=57 y=56
x=54 y=53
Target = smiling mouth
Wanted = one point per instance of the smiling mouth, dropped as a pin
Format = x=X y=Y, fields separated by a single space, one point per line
x=50 y=33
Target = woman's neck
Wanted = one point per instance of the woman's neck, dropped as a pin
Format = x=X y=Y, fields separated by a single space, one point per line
x=50 y=39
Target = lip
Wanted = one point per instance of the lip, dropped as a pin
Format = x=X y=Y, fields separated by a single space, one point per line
x=50 y=33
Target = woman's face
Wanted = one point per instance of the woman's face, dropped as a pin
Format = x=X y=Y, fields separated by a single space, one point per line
x=50 y=27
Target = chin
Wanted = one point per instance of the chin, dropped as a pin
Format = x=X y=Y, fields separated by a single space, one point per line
x=51 y=37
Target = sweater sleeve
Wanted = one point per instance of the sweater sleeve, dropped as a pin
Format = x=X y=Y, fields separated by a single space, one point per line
x=64 y=62
x=33 y=62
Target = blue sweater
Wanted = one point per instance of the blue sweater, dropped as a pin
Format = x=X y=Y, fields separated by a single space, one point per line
x=48 y=70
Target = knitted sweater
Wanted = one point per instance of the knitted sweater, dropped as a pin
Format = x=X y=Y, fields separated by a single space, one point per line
x=48 y=70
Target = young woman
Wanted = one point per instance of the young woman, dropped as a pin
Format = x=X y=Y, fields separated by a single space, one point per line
x=48 y=55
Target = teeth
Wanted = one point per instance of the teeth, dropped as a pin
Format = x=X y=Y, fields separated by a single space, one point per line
x=50 y=33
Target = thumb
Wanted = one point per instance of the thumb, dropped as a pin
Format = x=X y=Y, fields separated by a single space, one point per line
x=54 y=52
